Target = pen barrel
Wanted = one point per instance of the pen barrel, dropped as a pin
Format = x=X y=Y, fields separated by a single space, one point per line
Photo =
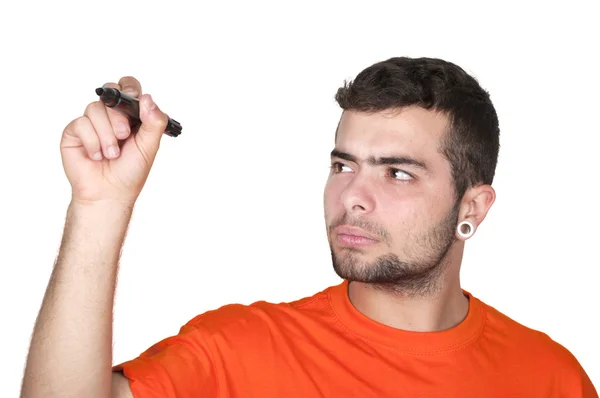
x=124 y=103
x=130 y=106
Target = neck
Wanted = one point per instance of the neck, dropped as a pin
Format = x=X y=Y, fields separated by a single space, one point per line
x=442 y=308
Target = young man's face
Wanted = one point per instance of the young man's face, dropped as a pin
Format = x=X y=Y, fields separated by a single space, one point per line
x=389 y=199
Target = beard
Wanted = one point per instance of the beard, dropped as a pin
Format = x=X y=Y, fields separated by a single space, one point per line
x=417 y=274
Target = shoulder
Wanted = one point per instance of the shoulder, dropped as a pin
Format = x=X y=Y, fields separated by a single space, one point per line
x=534 y=350
x=512 y=334
x=515 y=334
x=261 y=316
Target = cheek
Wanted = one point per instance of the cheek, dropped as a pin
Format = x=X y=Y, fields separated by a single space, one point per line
x=401 y=211
x=332 y=198
x=333 y=190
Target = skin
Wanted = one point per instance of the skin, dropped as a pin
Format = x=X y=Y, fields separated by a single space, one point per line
x=71 y=347
x=407 y=274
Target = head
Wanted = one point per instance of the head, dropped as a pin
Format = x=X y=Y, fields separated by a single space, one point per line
x=415 y=154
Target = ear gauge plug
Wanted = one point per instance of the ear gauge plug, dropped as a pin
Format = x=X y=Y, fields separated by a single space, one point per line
x=465 y=229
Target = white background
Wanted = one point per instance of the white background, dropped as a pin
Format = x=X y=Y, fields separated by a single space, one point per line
x=232 y=211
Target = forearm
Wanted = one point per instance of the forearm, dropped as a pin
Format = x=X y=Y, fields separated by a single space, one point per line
x=71 y=348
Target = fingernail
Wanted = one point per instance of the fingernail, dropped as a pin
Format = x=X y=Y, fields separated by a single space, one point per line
x=112 y=151
x=97 y=156
x=122 y=130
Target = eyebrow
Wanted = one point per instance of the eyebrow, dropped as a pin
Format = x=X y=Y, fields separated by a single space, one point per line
x=382 y=161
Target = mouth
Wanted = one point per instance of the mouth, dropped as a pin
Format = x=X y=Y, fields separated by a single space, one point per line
x=354 y=237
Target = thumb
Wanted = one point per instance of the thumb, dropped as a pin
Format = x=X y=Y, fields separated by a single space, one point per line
x=154 y=123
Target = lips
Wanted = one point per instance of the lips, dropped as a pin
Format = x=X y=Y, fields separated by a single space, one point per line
x=354 y=236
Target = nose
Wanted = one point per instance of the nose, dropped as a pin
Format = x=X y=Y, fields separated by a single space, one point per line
x=357 y=197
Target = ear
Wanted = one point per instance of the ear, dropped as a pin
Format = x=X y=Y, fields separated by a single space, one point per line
x=475 y=205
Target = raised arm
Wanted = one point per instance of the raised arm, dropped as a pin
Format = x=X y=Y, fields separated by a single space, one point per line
x=71 y=347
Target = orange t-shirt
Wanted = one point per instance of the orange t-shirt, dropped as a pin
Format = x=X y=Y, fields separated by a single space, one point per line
x=321 y=346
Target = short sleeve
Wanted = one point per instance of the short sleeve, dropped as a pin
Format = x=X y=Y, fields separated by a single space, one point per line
x=179 y=366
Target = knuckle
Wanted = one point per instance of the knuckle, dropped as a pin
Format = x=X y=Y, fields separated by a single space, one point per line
x=107 y=136
x=111 y=85
x=108 y=140
x=116 y=117
x=92 y=146
x=78 y=125
x=92 y=107
x=121 y=129
x=164 y=121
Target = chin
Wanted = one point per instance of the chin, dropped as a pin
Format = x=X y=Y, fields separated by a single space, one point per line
x=386 y=270
x=353 y=264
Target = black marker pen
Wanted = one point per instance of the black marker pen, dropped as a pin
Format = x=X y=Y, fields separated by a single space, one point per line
x=130 y=106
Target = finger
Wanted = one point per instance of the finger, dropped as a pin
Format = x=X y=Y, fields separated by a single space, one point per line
x=81 y=131
x=154 y=122
x=131 y=86
x=119 y=122
x=112 y=85
x=96 y=112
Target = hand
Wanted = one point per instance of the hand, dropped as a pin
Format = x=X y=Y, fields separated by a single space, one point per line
x=103 y=159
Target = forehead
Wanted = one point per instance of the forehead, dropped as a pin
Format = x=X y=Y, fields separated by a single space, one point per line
x=411 y=131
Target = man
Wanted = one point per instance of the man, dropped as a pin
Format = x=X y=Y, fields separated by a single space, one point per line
x=411 y=173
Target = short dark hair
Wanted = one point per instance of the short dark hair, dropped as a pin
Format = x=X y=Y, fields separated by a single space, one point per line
x=472 y=140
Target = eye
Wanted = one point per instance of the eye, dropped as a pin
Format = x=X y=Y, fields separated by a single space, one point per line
x=338 y=167
x=400 y=175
